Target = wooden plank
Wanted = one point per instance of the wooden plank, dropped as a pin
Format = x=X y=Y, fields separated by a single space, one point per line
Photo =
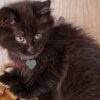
x=82 y=13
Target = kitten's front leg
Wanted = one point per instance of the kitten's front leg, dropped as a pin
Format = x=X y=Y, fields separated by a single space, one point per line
x=10 y=77
x=21 y=88
x=15 y=81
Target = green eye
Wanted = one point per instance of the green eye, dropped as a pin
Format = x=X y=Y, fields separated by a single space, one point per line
x=21 y=39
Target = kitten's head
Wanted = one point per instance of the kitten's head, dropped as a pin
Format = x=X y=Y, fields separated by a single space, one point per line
x=25 y=28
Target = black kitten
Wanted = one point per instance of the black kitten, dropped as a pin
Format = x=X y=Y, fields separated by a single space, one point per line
x=66 y=62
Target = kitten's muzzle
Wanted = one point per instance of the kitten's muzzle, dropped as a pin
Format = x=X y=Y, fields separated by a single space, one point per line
x=29 y=54
x=33 y=55
x=30 y=49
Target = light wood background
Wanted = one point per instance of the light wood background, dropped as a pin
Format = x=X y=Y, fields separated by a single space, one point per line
x=82 y=13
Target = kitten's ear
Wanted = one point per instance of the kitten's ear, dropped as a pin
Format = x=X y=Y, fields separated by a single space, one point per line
x=8 y=17
x=42 y=8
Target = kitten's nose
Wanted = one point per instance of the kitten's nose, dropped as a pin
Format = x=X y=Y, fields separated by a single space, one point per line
x=30 y=49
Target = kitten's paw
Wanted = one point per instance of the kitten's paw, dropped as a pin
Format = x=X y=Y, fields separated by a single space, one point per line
x=16 y=83
x=5 y=78
x=10 y=76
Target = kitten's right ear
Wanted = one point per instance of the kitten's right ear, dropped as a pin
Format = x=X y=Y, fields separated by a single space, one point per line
x=8 y=16
x=42 y=8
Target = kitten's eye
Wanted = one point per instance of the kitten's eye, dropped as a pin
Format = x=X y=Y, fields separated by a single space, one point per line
x=21 y=40
x=38 y=36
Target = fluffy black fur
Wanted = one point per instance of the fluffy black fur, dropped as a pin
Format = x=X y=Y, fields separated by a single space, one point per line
x=68 y=68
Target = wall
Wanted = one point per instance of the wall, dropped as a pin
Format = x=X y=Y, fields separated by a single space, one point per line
x=82 y=13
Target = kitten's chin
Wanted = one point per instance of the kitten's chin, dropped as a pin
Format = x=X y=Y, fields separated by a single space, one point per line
x=22 y=56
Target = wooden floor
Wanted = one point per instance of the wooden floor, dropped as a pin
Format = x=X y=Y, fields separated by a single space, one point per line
x=83 y=13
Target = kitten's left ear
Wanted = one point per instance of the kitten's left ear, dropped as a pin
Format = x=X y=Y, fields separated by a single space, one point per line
x=8 y=16
x=42 y=8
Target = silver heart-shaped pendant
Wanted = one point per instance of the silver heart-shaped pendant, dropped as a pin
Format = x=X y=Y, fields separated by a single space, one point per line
x=31 y=64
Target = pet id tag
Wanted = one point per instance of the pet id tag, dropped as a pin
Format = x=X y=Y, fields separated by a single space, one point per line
x=31 y=64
